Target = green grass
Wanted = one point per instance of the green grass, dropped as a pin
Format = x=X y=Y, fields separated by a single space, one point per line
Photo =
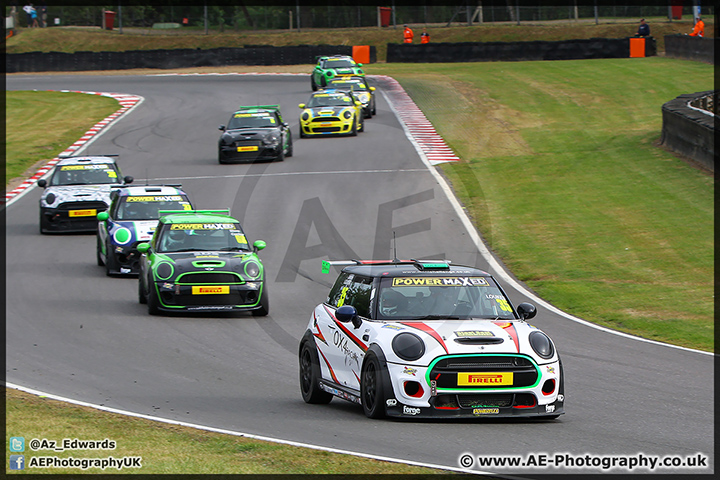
x=170 y=449
x=565 y=180
x=64 y=117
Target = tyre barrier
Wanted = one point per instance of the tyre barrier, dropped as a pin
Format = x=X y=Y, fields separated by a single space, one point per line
x=515 y=51
x=178 y=58
x=689 y=130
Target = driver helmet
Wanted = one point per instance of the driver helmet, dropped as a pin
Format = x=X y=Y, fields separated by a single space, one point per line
x=391 y=302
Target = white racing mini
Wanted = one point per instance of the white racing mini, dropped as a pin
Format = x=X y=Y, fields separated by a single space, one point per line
x=428 y=339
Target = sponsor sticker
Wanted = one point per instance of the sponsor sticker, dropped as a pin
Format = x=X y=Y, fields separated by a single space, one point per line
x=474 y=333
x=247 y=149
x=91 y=212
x=203 y=226
x=154 y=198
x=85 y=167
x=484 y=379
x=410 y=410
x=211 y=290
x=486 y=411
x=439 y=282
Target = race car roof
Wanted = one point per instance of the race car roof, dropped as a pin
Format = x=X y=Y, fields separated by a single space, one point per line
x=88 y=160
x=196 y=216
x=412 y=268
x=258 y=108
x=124 y=190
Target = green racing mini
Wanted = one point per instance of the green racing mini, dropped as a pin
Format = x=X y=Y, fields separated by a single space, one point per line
x=328 y=67
x=200 y=261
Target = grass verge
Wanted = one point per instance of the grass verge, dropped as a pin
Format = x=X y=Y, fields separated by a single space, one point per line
x=563 y=176
x=169 y=449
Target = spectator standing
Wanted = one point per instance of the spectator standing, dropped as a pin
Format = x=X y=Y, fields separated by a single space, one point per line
x=28 y=10
x=408 y=35
x=424 y=36
x=643 y=29
x=34 y=15
x=698 y=29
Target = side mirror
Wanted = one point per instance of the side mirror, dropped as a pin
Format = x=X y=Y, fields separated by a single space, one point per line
x=359 y=64
x=302 y=105
x=102 y=216
x=258 y=245
x=357 y=103
x=42 y=183
x=526 y=311
x=372 y=89
x=285 y=124
x=347 y=313
x=143 y=247
x=221 y=127
x=128 y=179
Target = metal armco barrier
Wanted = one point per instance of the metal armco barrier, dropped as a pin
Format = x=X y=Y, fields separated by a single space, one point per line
x=514 y=51
x=690 y=48
x=688 y=130
x=180 y=58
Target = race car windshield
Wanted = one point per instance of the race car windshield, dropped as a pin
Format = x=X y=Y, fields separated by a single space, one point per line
x=355 y=87
x=339 y=64
x=441 y=298
x=330 y=101
x=147 y=208
x=84 y=175
x=251 y=121
x=187 y=237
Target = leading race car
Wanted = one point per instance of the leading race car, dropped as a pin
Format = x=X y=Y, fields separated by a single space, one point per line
x=130 y=220
x=200 y=261
x=78 y=189
x=331 y=112
x=426 y=339
x=328 y=67
x=359 y=86
x=255 y=133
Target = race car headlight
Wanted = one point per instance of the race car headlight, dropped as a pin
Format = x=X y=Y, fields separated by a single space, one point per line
x=164 y=270
x=363 y=97
x=305 y=116
x=50 y=199
x=121 y=236
x=347 y=114
x=408 y=346
x=252 y=269
x=271 y=139
x=541 y=344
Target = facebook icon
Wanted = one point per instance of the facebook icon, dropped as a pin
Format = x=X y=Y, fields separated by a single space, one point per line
x=17 y=462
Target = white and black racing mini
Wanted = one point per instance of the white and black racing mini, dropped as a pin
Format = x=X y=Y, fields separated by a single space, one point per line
x=78 y=189
x=428 y=339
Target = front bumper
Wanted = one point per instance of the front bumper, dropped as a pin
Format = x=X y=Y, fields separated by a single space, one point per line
x=320 y=126
x=69 y=219
x=408 y=411
x=204 y=297
x=233 y=153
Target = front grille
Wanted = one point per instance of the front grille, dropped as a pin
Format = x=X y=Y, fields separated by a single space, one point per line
x=197 y=278
x=326 y=119
x=193 y=300
x=473 y=401
x=326 y=129
x=248 y=143
x=445 y=371
x=100 y=206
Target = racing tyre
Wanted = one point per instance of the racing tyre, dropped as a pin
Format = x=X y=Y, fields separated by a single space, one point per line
x=310 y=376
x=371 y=389
x=313 y=85
x=353 y=132
x=374 y=109
x=153 y=302
x=111 y=265
x=98 y=254
x=264 y=304
x=362 y=124
x=302 y=135
x=43 y=224
x=142 y=299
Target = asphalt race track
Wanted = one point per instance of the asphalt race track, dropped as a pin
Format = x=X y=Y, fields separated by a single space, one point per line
x=73 y=332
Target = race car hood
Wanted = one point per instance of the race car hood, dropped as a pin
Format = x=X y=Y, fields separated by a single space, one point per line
x=212 y=261
x=328 y=111
x=452 y=337
x=343 y=71
x=77 y=193
x=247 y=134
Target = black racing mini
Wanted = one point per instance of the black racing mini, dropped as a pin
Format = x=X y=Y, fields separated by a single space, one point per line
x=255 y=133
x=200 y=261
